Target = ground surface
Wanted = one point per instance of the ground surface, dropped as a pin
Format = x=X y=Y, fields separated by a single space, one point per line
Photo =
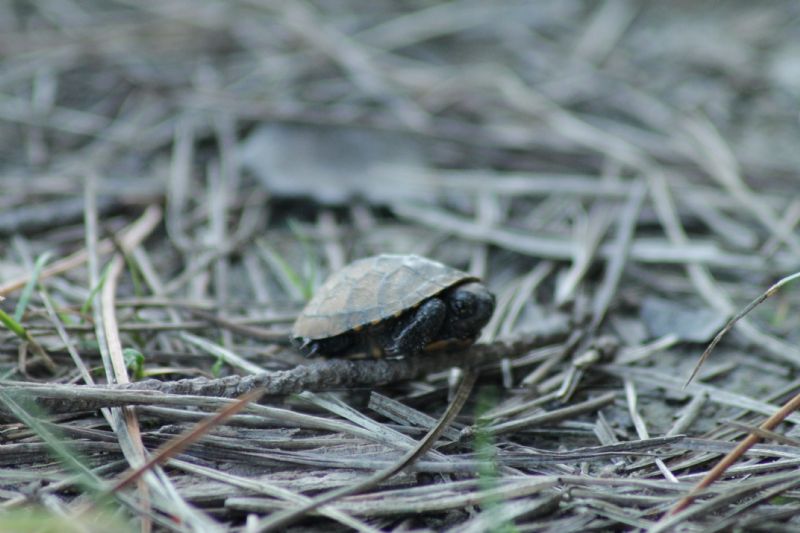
x=176 y=177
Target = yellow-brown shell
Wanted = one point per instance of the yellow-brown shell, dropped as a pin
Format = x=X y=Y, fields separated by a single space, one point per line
x=371 y=290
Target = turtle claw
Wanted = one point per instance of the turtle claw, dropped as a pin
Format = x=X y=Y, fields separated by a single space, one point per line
x=306 y=346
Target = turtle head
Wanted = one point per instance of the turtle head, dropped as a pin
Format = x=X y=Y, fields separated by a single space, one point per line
x=469 y=308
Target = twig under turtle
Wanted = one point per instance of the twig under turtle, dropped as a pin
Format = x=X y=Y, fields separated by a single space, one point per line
x=333 y=374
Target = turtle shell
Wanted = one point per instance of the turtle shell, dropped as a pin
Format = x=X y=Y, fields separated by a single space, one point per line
x=371 y=290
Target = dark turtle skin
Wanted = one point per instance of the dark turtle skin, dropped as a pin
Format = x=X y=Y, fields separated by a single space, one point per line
x=393 y=305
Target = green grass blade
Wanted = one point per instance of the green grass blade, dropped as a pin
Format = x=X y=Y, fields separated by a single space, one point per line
x=59 y=449
x=135 y=273
x=311 y=263
x=87 y=305
x=486 y=451
x=292 y=282
x=25 y=296
x=9 y=322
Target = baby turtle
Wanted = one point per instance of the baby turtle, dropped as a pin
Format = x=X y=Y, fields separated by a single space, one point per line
x=393 y=305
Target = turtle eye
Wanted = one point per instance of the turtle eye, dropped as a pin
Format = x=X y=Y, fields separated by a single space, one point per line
x=462 y=307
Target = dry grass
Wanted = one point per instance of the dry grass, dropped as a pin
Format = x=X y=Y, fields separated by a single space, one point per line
x=622 y=174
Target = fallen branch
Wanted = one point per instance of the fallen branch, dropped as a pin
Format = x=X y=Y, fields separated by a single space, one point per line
x=325 y=375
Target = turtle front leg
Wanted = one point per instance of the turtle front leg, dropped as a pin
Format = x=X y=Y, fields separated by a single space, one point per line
x=330 y=347
x=417 y=330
